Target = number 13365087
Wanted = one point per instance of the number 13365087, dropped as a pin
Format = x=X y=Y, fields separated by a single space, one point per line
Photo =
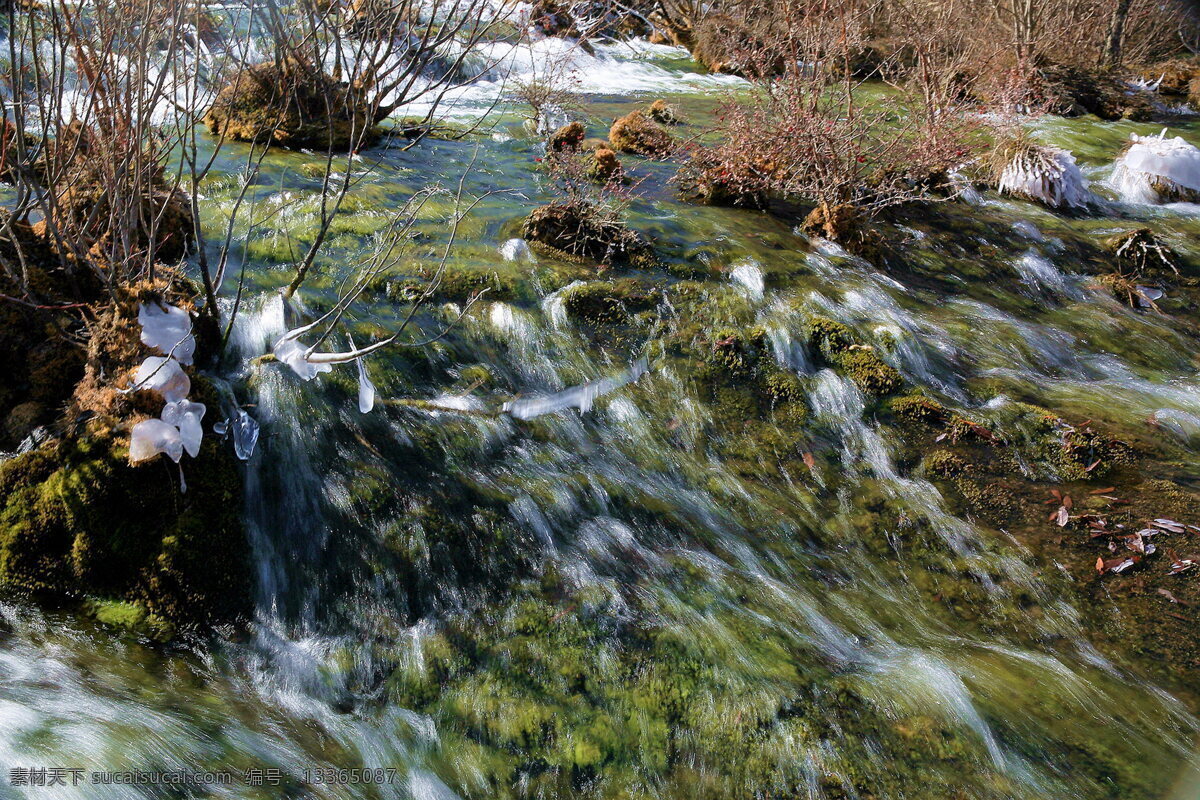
x=330 y=775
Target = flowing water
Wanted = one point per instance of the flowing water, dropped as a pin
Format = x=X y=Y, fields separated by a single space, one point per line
x=657 y=597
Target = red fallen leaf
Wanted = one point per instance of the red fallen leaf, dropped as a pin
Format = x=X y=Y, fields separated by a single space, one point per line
x=809 y=461
x=1180 y=617
x=1063 y=516
x=1093 y=465
x=1103 y=491
x=1053 y=515
x=1067 y=503
x=1057 y=494
x=1116 y=565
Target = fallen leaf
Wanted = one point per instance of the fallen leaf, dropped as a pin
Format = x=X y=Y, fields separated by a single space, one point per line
x=1170 y=596
x=1068 y=504
x=1181 y=565
x=1064 y=516
x=1116 y=565
x=1092 y=466
x=1103 y=491
x=809 y=461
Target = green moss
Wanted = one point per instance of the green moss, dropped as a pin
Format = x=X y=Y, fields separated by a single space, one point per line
x=608 y=302
x=841 y=349
x=1060 y=450
x=460 y=284
x=77 y=519
x=919 y=408
x=870 y=373
x=945 y=464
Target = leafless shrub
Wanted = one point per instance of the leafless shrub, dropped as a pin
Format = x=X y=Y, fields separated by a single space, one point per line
x=805 y=136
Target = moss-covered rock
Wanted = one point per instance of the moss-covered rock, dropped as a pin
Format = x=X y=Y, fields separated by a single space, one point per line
x=78 y=520
x=608 y=302
x=585 y=232
x=638 y=134
x=604 y=166
x=840 y=348
x=568 y=138
x=292 y=104
x=663 y=113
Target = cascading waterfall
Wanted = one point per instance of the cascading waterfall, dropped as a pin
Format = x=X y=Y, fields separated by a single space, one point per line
x=799 y=602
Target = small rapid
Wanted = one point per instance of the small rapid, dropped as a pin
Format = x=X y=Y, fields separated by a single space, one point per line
x=488 y=604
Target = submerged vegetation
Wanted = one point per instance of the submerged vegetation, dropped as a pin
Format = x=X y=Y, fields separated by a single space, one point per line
x=585 y=399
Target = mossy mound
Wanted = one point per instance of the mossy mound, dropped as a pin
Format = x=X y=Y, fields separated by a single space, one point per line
x=79 y=521
x=840 y=348
x=705 y=179
x=609 y=302
x=845 y=224
x=383 y=20
x=40 y=355
x=568 y=138
x=605 y=167
x=636 y=133
x=723 y=44
x=293 y=105
x=584 y=232
x=663 y=113
x=92 y=192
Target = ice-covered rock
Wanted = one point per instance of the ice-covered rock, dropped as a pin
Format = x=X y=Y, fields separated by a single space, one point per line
x=163 y=375
x=1155 y=169
x=516 y=250
x=1047 y=175
x=168 y=329
x=153 y=436
x=186 y=415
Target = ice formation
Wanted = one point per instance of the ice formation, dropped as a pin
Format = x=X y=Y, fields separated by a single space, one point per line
x=289 y=350
x=163 y=375
x=366 y=389
x=581 y=396
x=169 y=329
x=245 y=435
x=1048 y=175
x=516 y=250
x=153 y=436
x=1155 y=169
x=185 y=416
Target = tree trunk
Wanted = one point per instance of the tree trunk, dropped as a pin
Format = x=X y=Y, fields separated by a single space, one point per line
x=1111 y=57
